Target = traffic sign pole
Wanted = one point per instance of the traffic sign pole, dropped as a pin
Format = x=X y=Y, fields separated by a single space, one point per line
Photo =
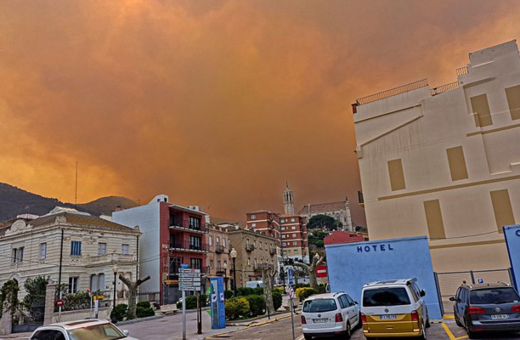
x=183 y=315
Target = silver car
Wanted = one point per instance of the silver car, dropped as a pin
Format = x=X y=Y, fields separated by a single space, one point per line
x=80 y=330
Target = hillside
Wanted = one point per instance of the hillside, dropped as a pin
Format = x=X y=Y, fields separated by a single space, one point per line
x=15 y=201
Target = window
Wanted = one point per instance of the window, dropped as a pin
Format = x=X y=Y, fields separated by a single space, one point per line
x=293 y=228
x=283 y=236
x=94 y=283
x=283 y=244
x=294 y=235
x=102 y=249
x=385 y=297
x=502 y=208
x=295 y=243
x=223 y=242
x=253 y=217
x=292 y=220
x=248 y=261
x=210 y=264
x=283 y=221
x=256 y=262
x=513 y=100
x=219 y=266
x=395 y=170
x=18 y=255
x=253 y=225
x=457 y=163
x=260 y=245
x=211 y=240
x=73 y=284
x=43 y=250
x=480 y=107
x=217 y=239
x=125 y=249
x=101 y=282
x=194 y=223
x=434 y=220
x=283 y=228
x=75 y=248
x=296 y=251
x=196 y=263
x=195 y=243
x=319 y=306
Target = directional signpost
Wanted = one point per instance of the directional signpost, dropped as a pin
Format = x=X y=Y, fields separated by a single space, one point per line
x=189 y=280
x=290 y=282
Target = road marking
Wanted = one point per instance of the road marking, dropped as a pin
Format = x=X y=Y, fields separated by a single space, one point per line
x=449 y=317
x=447 y=330
x=462 y=337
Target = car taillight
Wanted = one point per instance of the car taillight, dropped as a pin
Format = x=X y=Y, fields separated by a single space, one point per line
x=363 y=318
x=339 y=317
x=515 y=309
x=304 y=322
x=415 y=316
x=476 y=310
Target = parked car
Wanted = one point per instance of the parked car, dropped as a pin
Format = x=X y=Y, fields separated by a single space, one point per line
x=329 y=314
x=487 y=307
x=394 y=308
x=255 y=284
x=80 y=330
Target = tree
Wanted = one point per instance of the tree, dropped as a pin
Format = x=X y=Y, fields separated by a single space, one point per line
x=311 y=269
x=36 y=289
x=323 y=222
x=132 y=291
x=9 y=297
x=268 y=274
x=316 y=238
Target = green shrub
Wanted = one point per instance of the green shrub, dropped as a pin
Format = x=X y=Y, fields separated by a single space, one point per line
x=237 y=307
x=229 y=294
x=277 y=299
x=142 y=312
x=304 y=292
x=322 y=289
x=256 y=304
x=144 y=304
x=301 y=285
x=191 y=301
x=245 y=291
x=119 y=312
x=258 y=291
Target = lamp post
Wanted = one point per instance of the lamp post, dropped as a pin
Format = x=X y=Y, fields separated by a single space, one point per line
x=225 y=274
x=115 y=269
x=233 y=255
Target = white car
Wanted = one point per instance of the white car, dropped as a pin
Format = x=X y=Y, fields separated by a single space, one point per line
x=329 y=314
x=80 y=330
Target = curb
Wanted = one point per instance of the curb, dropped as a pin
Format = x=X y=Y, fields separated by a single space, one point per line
x=254 y=324
x=129 y=322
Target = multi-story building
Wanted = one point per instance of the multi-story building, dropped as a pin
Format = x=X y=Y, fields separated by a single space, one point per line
x=218 y=252
x=295 y=244
x=93 y=248
x=340 y=211
x=172 y=235
x=265 y=221
x=445 y=162
x=254 y=251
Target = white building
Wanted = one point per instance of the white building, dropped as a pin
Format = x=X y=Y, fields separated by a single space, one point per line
x=31 y=247
x=340 y=211
x=445 y=162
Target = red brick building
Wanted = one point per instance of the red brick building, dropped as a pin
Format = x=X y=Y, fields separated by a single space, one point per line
x=345 y=237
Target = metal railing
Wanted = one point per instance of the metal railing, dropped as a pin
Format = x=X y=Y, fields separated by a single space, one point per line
x=443 y=88
x=185 y=225
x=272 y=251
x=109 y=258
x=393 y=92
x=187 y=246
x=360 y=197
x=250 y=247
x=219 y=249
x=462 y=71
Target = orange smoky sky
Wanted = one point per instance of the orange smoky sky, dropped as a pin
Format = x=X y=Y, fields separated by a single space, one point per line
x=216 y=103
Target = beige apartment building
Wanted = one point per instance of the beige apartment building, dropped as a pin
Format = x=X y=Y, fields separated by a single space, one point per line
x=254 y=250
x=218 y=252
x=445 y=161
x=93 y=248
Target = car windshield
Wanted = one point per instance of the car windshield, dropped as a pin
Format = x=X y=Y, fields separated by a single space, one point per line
x=96 y=332
x=319 y=306
x=385 y=297
x=493 y=295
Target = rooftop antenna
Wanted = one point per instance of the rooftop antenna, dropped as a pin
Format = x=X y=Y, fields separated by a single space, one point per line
x=76 y=191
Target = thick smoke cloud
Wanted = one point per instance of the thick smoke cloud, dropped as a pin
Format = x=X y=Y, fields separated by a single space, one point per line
x=216 y=103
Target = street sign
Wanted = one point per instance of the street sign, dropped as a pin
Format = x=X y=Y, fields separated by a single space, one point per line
x=480 y=281
x=189 y=279
x=59 y=303
x=321 y=271
x=290 y=276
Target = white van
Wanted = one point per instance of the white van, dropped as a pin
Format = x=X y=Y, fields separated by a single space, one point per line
x=255 y=284
x=394 y=308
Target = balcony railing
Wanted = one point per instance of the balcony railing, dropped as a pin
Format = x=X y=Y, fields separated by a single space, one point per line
x=110 y=258
x=186 y=226
x=187 y=246
x=462 y=71
x=250 y=247
x=444 y=88
x=393 y=92
x=272 y=251
x=219 y=249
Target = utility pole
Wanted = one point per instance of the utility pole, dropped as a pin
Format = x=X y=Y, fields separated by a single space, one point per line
x=59 y=274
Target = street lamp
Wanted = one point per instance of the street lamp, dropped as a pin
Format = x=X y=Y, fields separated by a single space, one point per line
x=225 y=274
x=115 y=269
x=233 y=255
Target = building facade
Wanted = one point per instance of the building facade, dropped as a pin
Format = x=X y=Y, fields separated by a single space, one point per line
x=295 y=241
x=92 y=249
x=254 y=251
x=172 y=235
x=340 y=211
x=218 y=252
x=340 y=236
x=445 y=162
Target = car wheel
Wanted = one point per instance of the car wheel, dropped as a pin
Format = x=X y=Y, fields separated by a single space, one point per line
x=458 y=322
x=348 y=331
x=428 y=323
x=472 y=335
x=307 y=337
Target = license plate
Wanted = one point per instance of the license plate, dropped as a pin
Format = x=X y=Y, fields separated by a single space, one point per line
x=388 y=317
x=320 y=320
x=499 y=317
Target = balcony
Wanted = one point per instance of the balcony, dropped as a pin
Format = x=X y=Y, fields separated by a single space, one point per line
x=272 y=251
x=189 y=247
x=220 y=271
x=101 y=260
x=250 y=247
x=186 y=226
x=219 y=249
